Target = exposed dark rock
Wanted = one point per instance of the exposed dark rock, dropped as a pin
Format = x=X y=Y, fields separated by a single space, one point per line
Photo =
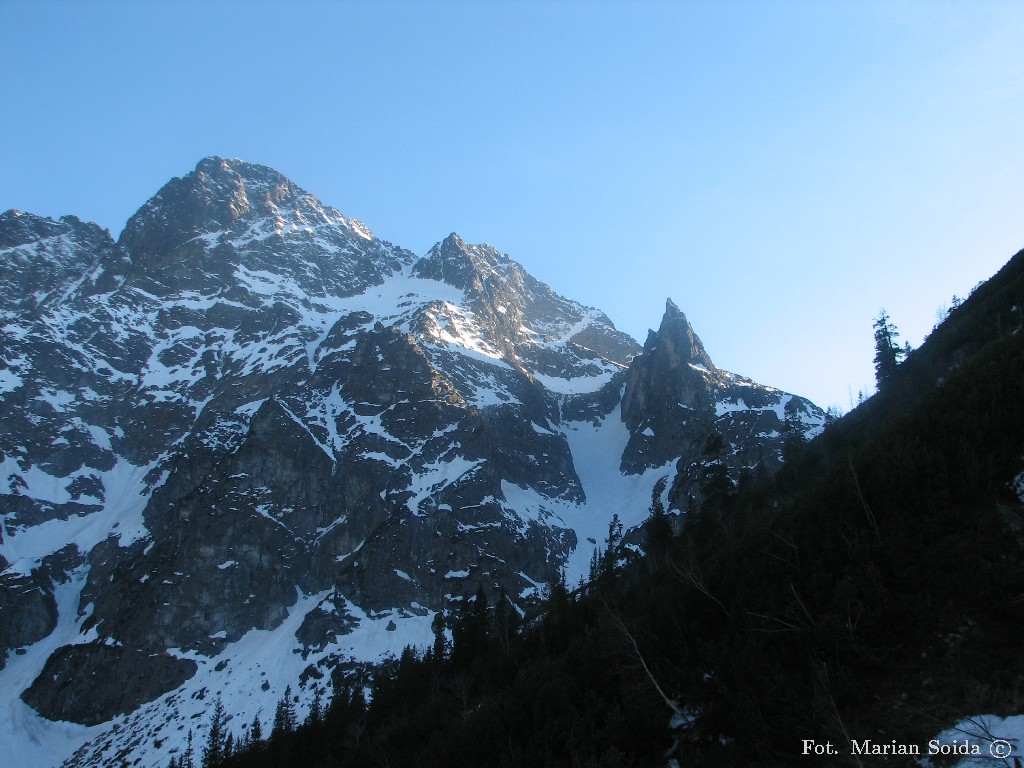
x=49 y=262
x=91 y=683
x=28 y=611
x=675 y=399
x=323 y=626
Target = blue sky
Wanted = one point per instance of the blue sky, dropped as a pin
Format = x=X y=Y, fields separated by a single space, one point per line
x=782 y=170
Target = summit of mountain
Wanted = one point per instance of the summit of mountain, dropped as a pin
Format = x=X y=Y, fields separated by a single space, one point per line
x=228 y=221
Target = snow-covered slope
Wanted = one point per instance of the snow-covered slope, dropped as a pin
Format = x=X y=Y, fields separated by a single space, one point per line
x=249 y=442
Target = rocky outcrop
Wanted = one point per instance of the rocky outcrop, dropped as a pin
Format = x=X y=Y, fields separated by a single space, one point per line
x=90 y=684
x=680 y=408
x=229 y=219
x=28 y=611
x=49 y=262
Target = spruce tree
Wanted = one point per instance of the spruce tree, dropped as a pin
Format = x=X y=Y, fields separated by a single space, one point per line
x=505 y=621
x=255 y=732
x=595 y=566
x=214 y=751
x=888 y=353
x=439 y=652
x=316 y=710
x=613 y=548
x=557 y=597
x=229 y=745
x=469 y=635
x=284 y=715
x=186 y=759
x=658 y=529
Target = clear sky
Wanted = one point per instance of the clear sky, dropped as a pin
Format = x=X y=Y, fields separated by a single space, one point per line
x=781 y=170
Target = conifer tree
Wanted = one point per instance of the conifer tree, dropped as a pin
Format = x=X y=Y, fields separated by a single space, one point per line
x=316 y=710
x=505 y=621
x=284 y=715
x=229 y=746
x=480 y=604
x=186 y=759
x=214 y=751
x=357 y=702
x=613 y=548
x=595 y=565
x=557 y=593
x=439 y=651
x=255 y=731
x=658 y=529
x=470 y=631
x=888 y=353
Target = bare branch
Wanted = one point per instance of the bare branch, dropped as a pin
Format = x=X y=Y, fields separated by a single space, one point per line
x=692 y=577
x=867 y=510
x=621 y=626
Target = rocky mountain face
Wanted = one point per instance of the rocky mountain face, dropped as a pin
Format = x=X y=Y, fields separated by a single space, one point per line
x=678 y=406
x=250 y=441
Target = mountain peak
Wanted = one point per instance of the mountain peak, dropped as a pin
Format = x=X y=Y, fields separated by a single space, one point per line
x=458 y=263
x=44 y=258
x=18 y=228
x=215 y=169
x=677 y=339
x=214 y=163
x=210 y=198
x=197 y=230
